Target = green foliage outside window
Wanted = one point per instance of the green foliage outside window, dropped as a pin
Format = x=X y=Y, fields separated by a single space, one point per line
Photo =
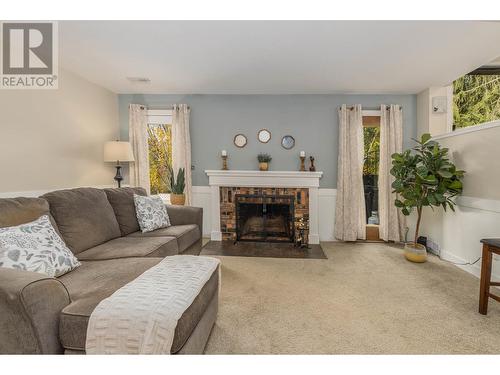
x=372 y=150
x=160 y=157
x=476 y=99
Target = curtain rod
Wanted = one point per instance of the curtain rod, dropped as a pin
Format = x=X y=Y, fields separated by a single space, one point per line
x=348 y=107
x=154 y=107
x=159 y=107
x=165 y=108
x=371 y=109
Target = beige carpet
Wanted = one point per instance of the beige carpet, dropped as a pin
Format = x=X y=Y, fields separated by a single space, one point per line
x=366 y=298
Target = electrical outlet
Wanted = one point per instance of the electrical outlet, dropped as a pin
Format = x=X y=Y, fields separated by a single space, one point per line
x=433 y=247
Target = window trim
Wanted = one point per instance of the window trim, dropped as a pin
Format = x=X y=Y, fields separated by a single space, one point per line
x=159 y=116
x=371 y=112
x=469 y=129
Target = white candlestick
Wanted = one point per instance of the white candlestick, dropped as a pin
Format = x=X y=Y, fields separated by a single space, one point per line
x=302 y=153
x=224 y=153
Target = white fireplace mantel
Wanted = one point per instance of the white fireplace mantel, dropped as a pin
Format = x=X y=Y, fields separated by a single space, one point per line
x=291 y=179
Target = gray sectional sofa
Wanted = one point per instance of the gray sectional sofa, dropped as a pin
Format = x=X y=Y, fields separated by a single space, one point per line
x=44 y=315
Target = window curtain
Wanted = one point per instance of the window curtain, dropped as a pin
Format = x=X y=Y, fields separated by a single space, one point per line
x=392 y=221
x=350 y=213
x=138 y=138
x=181 y=145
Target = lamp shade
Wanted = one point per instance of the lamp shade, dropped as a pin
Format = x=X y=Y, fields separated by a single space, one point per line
x=118 y=151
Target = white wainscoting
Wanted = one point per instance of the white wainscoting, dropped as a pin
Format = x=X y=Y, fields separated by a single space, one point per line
x=458 y=233
x=37 y=193
x=327 y=199
x=201 y=198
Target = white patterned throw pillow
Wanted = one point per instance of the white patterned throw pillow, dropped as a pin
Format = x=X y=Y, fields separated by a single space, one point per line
x=36 y=247
x=151 y=213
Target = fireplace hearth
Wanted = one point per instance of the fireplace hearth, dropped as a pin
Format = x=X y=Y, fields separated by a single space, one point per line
x=268 y=218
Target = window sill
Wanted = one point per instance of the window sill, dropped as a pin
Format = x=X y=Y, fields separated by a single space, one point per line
x=470 y=129
x=165 y=198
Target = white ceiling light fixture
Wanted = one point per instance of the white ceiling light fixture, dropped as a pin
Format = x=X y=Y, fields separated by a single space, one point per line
x=139 y=79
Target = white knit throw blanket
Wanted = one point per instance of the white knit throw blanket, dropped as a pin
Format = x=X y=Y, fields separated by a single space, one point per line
x=141 y=317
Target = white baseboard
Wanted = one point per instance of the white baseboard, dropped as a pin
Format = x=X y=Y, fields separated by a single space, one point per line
x=473 y=269
x=216 y=236
x=313 y=239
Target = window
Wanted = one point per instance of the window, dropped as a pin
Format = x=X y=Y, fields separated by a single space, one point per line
x=371 y=133
x=476 y=97
x=371 y=138
x=160 y=150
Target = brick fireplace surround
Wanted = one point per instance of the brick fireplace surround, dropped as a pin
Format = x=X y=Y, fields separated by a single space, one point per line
x=228 y=205
x=224 y=185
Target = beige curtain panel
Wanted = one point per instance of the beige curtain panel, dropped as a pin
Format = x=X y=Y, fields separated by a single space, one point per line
x=350 y=216
x=138 y=138
x=181 y=145
x=392 y=221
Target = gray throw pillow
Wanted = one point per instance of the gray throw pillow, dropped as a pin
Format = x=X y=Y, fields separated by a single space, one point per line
x=36 y=247
x=151 y=213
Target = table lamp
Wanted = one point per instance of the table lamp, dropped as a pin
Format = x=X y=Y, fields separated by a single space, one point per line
x=117 y=151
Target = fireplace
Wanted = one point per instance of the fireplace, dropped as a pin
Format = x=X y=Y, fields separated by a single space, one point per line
x=226 y=184
x=262 y=214
x=265 y=217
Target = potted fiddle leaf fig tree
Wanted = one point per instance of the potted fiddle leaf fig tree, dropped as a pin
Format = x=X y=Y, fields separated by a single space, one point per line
x=177 y=196
x=424 y=177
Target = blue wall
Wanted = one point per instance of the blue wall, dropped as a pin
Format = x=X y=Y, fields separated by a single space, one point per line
x=311 y=119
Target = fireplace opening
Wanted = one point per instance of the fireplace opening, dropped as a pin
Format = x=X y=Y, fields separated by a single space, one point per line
x=265 y=218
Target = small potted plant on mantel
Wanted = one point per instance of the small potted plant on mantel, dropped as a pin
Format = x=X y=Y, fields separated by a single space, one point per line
x=424 y=176
x=177 y=196
x=264 y=160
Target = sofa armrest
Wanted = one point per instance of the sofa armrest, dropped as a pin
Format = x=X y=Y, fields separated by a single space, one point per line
x=30 y=306
x=181 y=215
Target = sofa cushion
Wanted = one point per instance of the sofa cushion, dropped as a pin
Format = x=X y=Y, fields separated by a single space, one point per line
x=151 y=213
x=15 y=211
x=87 y=286
x=96 y=280
x=122 y=201
x=35 y=247
x=126 y=247
x=186 y=234
x=84 y=216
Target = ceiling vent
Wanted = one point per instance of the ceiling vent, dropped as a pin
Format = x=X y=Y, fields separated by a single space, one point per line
x=139 y=79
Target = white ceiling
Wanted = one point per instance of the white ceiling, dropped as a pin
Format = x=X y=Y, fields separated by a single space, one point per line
x=276 y=57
